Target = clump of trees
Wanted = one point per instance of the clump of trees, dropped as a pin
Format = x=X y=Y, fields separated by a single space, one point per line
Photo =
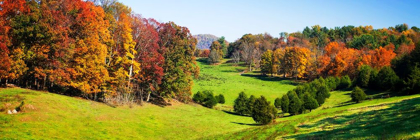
x=207 y=98
x=259 y=109
x=100 y=50
x=218 y=49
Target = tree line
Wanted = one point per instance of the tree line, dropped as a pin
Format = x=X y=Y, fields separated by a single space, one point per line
x=98 y=49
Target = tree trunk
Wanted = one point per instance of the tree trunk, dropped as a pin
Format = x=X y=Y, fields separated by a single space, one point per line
x=148 y=97
x=45 y=81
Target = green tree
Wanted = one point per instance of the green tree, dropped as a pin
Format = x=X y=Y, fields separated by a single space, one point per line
x=285 y=103
x=199 y=97
x=250 y=104
x=240 y=104
x=322 y=94
x=363 y=76
x=220 y=98
x=263 y=112
x=209 y=100
x=277 y=103
x=309 y=102
x=345 y=82
x=412 y=83
x=295 y=103
x=358 y=95
x=387 y=79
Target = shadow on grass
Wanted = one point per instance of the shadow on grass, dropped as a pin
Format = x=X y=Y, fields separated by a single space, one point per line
x=396 y=122
x=234 y=113
x=251 y=124
x=267 y=78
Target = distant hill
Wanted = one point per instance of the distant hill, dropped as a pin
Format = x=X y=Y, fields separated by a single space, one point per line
x=204 y=40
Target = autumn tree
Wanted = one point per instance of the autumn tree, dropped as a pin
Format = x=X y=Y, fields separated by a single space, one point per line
x=148 y=55
x=179 y=66
x=267 y=63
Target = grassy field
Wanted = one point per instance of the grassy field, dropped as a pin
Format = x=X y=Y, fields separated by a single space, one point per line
x=53 y=116
x=389 y=118
x=49 y=115
x=227 y=79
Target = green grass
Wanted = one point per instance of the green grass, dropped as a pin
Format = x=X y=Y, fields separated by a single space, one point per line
x=53 y=116
x=226 y=79
x=388 y=118
x=56 y=116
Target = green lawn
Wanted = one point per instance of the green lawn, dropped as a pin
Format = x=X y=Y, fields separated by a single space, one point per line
x=226 y=79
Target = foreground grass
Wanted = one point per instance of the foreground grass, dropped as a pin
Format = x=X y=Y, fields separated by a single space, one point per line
x=227 y=79
x=389 y=118
x=53 y=116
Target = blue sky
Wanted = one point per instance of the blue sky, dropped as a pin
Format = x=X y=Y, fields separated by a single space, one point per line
x=234 y=18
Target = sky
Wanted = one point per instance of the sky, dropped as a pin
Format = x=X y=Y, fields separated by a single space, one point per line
x=234 y=18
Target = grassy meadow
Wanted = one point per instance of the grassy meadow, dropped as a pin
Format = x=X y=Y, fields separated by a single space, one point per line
x=53 y=116
x=228 y=79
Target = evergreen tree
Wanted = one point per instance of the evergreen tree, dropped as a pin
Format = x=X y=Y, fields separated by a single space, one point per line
x=358 y=95
x=263 y=112
x=240 y=104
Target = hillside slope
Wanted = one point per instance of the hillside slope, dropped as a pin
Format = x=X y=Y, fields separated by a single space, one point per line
x=52 y=116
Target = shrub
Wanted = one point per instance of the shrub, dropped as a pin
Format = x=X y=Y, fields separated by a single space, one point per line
x=295 y=103
x=263 y=112
x=322 y=94
x=372 y=79
x=363 y=76
x=331 y=82
x=309 y=102
x=285 y=103
x=345 y=82
x=358 y=95
x=277 y=103
x=240 y=104
x=250 y=104
x=412 y=83
x=199 y=97
x=387 y=79
x=209 y=99
x=220 y=99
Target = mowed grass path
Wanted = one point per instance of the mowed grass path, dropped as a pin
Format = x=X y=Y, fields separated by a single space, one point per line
x=53 y=116
x=226 y=79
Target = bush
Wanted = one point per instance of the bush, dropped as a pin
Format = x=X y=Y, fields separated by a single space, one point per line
x=372 y=79
x=345 y=82
x=250 y=104
x=295 y=103
x=412 y=83
x=387 y=79
x=277 y=103
x=209 y=99
x=263 y=112
x=309 y=102
x=331 y=82
x=199 y=97
x=285 y=103
x=220 y=99
x=363 y=76
x=358 y=95
x=240 y=104
x=322 y=94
